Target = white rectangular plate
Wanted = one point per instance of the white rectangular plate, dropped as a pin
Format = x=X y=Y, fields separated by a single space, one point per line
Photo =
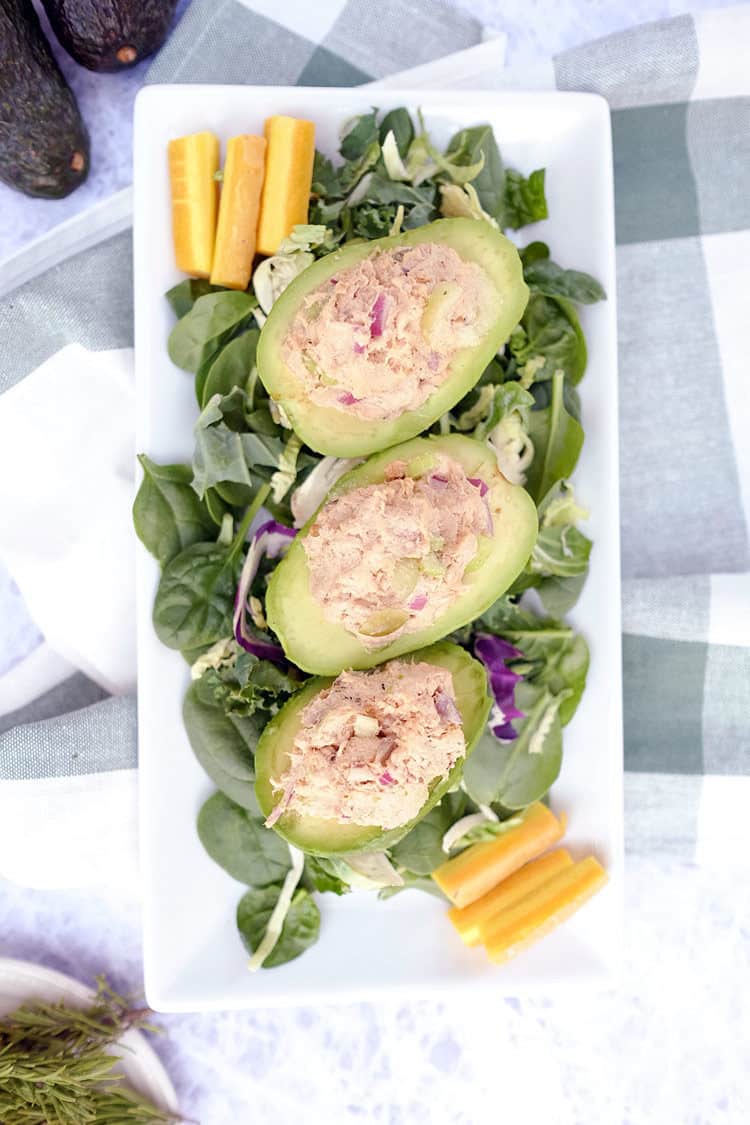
x=192 y=953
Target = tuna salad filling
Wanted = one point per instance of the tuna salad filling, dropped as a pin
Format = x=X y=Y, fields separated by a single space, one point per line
x=390 y=558
x=369 y=746
x=377 y=339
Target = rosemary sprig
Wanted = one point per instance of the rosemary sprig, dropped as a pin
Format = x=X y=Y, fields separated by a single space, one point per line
x=55 y=1067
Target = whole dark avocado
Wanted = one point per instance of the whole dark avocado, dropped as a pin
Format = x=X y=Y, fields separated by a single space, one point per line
x=110 y=35
x=44 y=145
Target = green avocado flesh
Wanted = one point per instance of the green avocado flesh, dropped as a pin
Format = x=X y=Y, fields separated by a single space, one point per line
x=329 y=837
x=318 y=645
x=339 y=433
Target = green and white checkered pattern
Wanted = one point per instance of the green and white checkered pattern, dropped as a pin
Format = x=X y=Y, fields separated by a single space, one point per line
x=680 y=97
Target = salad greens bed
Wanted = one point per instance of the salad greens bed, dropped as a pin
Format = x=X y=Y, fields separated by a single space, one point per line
x=195 y=519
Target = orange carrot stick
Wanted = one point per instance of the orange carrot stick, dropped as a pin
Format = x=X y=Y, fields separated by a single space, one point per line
x=193 y=162
x=542 y=910
x=478 y=869
x=506 y=894
x=238 y=212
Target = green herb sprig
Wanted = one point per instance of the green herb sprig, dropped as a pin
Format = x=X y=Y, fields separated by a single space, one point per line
x=56 y=1067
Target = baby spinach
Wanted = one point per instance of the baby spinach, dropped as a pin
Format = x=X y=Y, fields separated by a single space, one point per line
x=325 y=180
x=359 y=134
x=399 y=122
x=197 y=337
x=167 y=514
x=232 y=366
x=183 y=296
x=195 y=598
x=523 y=200
x=554 y=655
x=469 y=146
x=514 y=774
x=559 y=595
x=322 y=876
x=546 y=277
x=301 y=925
x=414 y=883
x=240 y=843
x=224 y=745
x=557 y=439
x=549 y=339
x=421 y=850
x=225 y=452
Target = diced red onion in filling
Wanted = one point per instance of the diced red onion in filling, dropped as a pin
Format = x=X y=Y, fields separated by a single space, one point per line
x=480 y=484
x=419 y=602
x=378 y=316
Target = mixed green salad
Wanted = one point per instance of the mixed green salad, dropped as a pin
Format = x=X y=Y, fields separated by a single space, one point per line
x=219 y=526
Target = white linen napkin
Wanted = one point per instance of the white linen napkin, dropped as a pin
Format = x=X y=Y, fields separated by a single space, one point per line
x=66 y=485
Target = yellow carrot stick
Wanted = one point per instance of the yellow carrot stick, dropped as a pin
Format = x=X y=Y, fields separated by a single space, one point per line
x=542 y=910
x=478 y=869
x=193 y=163
x=506 y=894
x=286 y=188
x=239 y=208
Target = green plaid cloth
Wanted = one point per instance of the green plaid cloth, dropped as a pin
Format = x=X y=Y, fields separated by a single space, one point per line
x=680 y=97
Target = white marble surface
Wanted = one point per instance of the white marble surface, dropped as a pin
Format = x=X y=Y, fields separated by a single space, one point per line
x=670 y=1047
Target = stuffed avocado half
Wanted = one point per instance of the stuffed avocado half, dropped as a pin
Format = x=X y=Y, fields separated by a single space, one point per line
x=414 y=543
x=352 y=764
x=371 y=344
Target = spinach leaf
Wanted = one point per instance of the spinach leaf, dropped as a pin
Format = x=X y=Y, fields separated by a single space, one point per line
x=559 y=595
x=301 y=925
x=381 y=190
x=197 y=338
x=418 y=215
x=352 y=172
x=421 y=850
x=232 y=366
x=557 y=439
x=514 y=774
x=534 y=252
x=542 y=393
x=167 y=515
x=359 y=134
x=414 y=883
x=524 y=200
x=558 y=659
x=215 y=506
x=470 y=145
x=223 y=454
x=561 y=550
x=225 y=747
x=549 y=339
x=183 y=296
x=325 y=180
x=321 y=875
x=552 y=280
x=398 y=122
x=240 y=843
x=195 y=599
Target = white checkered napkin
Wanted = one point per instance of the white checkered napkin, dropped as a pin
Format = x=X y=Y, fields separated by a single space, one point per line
x=680 y=109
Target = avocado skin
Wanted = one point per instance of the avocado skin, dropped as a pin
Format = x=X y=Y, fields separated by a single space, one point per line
x=94 y=31
x=41 y=129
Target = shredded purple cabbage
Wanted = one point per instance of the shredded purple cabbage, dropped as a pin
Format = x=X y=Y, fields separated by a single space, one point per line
x=495 y=653
x=271 y=540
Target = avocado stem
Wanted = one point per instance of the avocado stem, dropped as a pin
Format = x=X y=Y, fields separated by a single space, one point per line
x=127 y=55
